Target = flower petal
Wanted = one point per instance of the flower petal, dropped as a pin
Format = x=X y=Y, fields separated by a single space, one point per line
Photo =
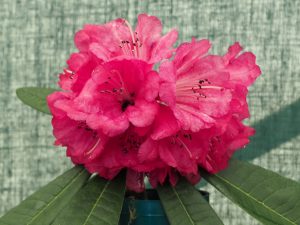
x=142 y=114
x=165 y=124
x=165 y=153
x=135 y=181
x=188 y=53
x=148 y=150
x=158 y=176
x=77 y=60
x=108 y=35
x=147 y=25
x=108 y=124
x=192 y=119
x=243 y=70
x=163 y=48
x=82 y=142
x=167 y=91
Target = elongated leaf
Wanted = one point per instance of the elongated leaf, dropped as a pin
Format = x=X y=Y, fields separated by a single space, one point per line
x=267 y=196
x=99 y=202
x=43 y=206
x=183 y=204
x=35 y=97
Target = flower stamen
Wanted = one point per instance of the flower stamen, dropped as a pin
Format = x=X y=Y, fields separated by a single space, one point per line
x=118 y=89
x=134 y=50
x=89 y=152
x=182 y=144
x=131 y=47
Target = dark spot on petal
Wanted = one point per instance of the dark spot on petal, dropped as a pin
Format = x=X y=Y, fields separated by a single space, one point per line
x=125 y=104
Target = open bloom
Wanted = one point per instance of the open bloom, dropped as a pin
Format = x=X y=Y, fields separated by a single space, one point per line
x=200 y=88
x=223 y=144
x=119 y=93
x=116 y=39
x=81 y=141
x=117 y=112
x=203 y=101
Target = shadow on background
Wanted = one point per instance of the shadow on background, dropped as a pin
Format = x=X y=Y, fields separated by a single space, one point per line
x=273 y=131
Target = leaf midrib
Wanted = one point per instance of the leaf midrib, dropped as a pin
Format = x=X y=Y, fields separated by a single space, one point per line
x=96 y=203
x=181 y=203
x=56 y=196
x=254 y=199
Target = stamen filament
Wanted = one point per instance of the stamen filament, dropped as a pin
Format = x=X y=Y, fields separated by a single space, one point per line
x=135 y=52
x=126 y=92
x=94 y=147
x=161 y=102
x=186 y=148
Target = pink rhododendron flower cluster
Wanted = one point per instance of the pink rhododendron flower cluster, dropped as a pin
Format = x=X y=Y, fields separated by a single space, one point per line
x=116 y=111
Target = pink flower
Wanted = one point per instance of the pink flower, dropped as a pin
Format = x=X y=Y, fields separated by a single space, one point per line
x=160 y=175
x=181 y=151
x=184 y=152
x=119 y=93
x=116 y=39
x=223 y=145
x=200 y=88
x=82 y=142
x=116 y=112
x=121 y=152
x=195 y=95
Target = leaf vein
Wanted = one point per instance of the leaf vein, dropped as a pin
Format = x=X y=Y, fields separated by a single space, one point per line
x=254 y=199
x=55 y=197
x=185 y=210
x=96 y=203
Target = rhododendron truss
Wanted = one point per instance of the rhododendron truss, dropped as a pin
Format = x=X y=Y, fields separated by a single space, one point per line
x=117 y=112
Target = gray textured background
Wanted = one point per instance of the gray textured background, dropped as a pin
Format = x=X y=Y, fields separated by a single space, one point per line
x=36 y=37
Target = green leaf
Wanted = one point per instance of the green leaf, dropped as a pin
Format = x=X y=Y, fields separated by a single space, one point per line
x=35 y=97
x=267 y=196
x=43 y=206
x=183 y=204
x=99 y=202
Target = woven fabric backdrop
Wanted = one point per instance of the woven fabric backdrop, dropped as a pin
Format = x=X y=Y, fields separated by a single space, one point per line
x=36 y=37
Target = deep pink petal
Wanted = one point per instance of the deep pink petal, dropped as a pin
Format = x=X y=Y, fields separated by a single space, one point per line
x=192 y=119
x=163 y=48
x=142 y=114
x=167 y=91
x=69 y=77
x=108 y=35
x=233 y=51
x=110 y=126
x=135 y=181
x=189 y=53
x=158 y=176
x=243 y=70
x=148 y=150
x=147 y=25
x=150 y=89
x=84 y=74
x=221 y=147
x=165 y=124
x=82 y=40
x=100 y=51
x=83 y=143
x=58 y=96
x=166 y=155
x=173 y=177
x=77 y=60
